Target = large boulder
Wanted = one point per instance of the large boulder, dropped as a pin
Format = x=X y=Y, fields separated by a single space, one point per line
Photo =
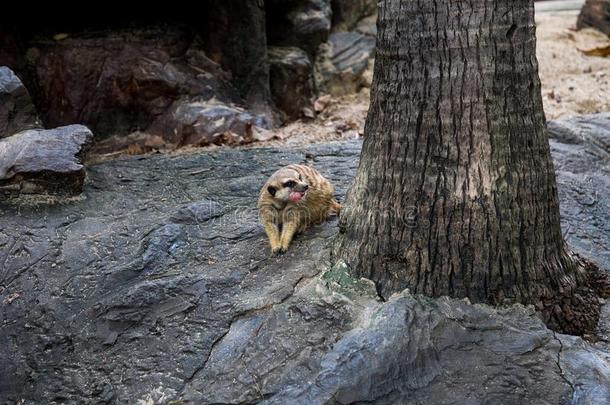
x=200 y=123
x=347 y=13
x=17 y=112
x=341 y=63
x=122 y=81
x=291 y=76
x=301 y=23
x=121 y=76
x=157 y=287
x=596 y=14
x=45 y=161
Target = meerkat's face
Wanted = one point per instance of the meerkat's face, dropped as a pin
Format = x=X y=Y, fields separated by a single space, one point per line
x=287 y=186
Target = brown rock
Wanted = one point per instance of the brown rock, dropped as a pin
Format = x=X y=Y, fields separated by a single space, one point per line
x=596 y=14
x=291 y=75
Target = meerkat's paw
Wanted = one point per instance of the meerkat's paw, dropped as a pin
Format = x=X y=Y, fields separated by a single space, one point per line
x=278 y=250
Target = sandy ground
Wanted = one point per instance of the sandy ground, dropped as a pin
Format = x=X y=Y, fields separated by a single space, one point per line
x=572 y=83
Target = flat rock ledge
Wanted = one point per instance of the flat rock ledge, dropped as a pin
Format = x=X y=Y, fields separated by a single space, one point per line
x=157 y=287
x=44 y=161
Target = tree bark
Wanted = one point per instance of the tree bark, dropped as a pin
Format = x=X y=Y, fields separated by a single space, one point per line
x=455 y=193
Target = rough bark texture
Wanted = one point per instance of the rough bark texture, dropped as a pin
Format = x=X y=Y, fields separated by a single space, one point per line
x=455 y=193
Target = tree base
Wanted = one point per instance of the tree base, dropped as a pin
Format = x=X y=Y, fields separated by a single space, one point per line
x=577 y=312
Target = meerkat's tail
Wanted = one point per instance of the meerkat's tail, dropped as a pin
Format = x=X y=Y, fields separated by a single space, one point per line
x=335 y=207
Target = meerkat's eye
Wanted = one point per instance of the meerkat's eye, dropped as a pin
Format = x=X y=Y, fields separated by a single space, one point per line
x=271 y=190
x=290 y=184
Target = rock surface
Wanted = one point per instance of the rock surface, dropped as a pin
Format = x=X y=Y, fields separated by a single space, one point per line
x=291 y=75
x=201 y=123
x=44 y=161
x=301 y=23
x=347 y=13
x=17 y=112
x=140 y=76
x=596 y=14
x=342 y=61
x=157 y=287
x=581 y=148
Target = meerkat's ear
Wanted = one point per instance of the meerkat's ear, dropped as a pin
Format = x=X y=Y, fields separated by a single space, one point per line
x=271 y=190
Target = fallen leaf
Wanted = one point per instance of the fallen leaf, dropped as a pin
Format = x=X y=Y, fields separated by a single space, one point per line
x=601 y=51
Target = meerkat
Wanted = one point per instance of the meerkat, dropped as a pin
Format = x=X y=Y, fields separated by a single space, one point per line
x=293 y=199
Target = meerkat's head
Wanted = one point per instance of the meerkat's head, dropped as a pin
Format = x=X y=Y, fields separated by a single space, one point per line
x=287 y=185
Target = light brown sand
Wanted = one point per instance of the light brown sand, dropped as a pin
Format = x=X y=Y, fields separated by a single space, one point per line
x=572 y=83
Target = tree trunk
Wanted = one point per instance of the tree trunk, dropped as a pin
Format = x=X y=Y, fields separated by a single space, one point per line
x=455 y=193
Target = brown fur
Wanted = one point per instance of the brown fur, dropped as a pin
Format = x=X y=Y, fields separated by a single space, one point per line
x=282 y=218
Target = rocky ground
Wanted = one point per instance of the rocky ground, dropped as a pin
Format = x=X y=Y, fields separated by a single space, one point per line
x=155 y=286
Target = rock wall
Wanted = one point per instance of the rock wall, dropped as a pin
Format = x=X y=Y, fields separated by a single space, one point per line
x=168 y=75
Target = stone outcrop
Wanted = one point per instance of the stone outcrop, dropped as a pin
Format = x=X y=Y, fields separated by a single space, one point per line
x=44 y=161
x=140 y=74
x=341 y=63
x=300 y=23
x=17 y=112
x=157 y=286
x=348 y=13
x=292 y=86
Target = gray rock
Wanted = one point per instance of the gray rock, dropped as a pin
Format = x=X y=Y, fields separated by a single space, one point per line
x=300 y=23
x=157 y=286
x=581 y=147
x=416 y=350
x=200 y=123
x=341 y=63
x=347 y=13
x=17 y=112
x=44 y=161
x=291 y=76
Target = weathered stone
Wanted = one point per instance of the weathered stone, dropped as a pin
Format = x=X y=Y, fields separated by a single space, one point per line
x=291 y=75
x=44 y=161
x=347 y=13
x=342 y=61
x=141 y=76
x=157 y=286
x=17 y=112
x=368 y=26
x=201 y=123
x=301 y=23
x=234 y=35
x=596 y=14
x=581 y=148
